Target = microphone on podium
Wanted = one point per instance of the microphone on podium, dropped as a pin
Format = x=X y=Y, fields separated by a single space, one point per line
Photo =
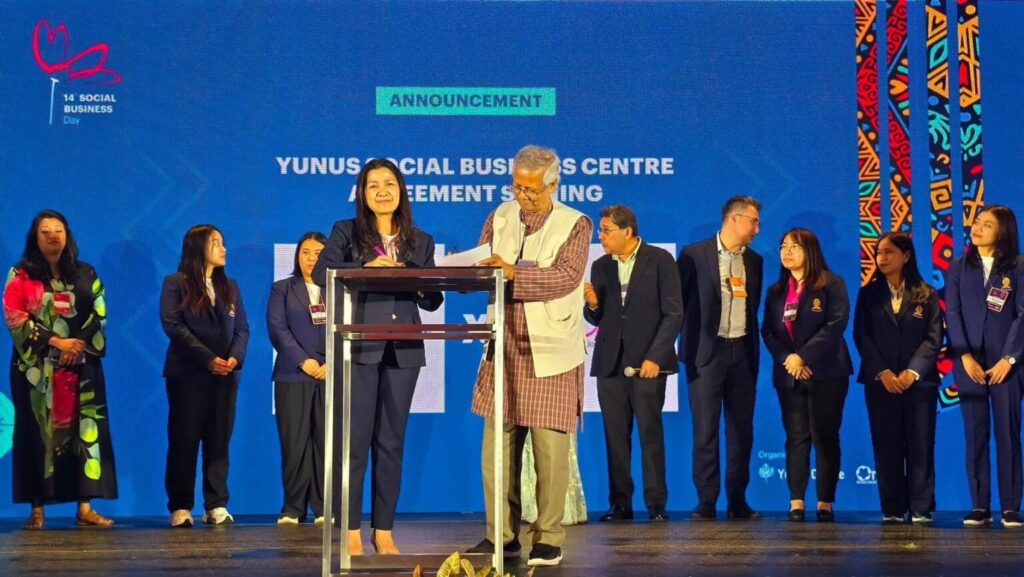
x=634 y=371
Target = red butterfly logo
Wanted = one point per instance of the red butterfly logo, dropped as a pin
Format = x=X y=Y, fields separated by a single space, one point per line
x=89 y=63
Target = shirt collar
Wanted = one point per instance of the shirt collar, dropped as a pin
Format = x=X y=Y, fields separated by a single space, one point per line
x=632 y=255
x=721 y=247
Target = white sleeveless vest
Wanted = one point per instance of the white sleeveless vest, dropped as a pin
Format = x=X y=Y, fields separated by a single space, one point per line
x=555 y=327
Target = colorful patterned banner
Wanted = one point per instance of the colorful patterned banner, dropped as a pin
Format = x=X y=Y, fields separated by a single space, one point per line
x=897 y=66
x=939 y=143
x=968 y=32
x=868 y=169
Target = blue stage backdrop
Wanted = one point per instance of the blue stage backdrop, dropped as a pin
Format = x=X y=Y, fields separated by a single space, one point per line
x=139 y=119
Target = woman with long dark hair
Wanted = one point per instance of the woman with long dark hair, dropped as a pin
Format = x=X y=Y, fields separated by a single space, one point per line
x=55 y=309
x=805 y=315
x=984 y=312
x=296 y=318
x=202 y=313
x=897 y=328
x=384 y=373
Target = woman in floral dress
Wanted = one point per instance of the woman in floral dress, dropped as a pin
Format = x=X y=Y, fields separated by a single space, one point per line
x=55 y=310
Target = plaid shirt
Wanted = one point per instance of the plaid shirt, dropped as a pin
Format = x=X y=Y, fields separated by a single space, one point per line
x=553 y=402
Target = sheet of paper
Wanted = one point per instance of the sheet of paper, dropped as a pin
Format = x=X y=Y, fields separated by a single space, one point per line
x=465 y=258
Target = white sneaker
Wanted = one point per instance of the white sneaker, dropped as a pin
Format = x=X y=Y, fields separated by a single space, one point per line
x=181 y=519
x=218 y=516
x=286 y=520
x=319 y=520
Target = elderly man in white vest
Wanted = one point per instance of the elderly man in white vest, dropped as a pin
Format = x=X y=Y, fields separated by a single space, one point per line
x=542 y=246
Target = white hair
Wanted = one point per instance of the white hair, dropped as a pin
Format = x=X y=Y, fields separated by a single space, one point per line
x=533 y=157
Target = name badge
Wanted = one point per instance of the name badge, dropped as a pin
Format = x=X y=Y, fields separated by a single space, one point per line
x=318 y=313
x=738 y=287
x=62 y=303
x=789 y=312
x=997 y=299
x=527 y=263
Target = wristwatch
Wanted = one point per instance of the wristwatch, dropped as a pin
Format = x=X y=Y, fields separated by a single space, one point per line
x=1010 y=359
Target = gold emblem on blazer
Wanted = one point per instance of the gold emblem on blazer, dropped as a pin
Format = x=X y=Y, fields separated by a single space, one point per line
x=1006 y=282
x=919 y=312
x=816 y=305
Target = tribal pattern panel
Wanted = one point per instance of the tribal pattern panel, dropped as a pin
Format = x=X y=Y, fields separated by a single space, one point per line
x=898 y=80
x=969 y=53
x=941 y=181
x=868 y=168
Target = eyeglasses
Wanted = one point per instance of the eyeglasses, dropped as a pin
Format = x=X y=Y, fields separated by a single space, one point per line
x=753 y=220
x=521 y=190
x=607 y=231
x=790 y=247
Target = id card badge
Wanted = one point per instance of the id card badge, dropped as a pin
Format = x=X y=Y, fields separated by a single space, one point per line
x=789 y=312
x=738 y=287
x=318 y=313
x=62 y=303
x=997 y=299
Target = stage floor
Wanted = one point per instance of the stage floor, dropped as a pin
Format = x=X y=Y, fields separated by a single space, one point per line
x=855 y=546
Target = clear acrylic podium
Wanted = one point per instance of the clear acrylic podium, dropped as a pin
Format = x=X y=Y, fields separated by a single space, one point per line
x=351 y=282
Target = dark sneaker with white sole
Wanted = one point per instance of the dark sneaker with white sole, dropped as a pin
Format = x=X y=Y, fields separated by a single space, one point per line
x=545 y=555
x=1012 y=519
x=510 y=549
x=921 y=517
x=978 y=517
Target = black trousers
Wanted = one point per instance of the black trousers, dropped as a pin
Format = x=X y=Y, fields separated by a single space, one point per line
x=299 y=408
x=1004 y=402
x=381 y=401
x=622 y=398
x=812 y=413
x=725 y=382
x=202 y=412
x=903 y=438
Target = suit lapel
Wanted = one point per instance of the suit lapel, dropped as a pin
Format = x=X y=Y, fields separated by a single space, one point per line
x=711 y=256
x=299 y=288
x=884 y=294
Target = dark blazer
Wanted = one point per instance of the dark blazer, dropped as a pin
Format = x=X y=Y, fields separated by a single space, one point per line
x=973 y=328
x=821 y=318
x=291 y=329
x=702 y=303
x=341 y=251
x=218 y=331
x=645 y=327
x=910 y=339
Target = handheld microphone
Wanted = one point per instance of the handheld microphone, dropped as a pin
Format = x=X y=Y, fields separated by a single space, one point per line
x=634 y=371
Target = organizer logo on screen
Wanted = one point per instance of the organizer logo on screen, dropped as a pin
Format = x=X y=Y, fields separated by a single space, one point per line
x=51 y=47
x=429 y=395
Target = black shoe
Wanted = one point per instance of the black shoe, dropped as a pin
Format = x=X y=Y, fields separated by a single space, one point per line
x=616 y=514
x=743 y=513
x=511 y=549
x=826 y=516
x=546 y=555
x=657 y=514
x=978 y=517
x=704 y=513
x=1012 y=520
x=894 y=519
x=797 y=515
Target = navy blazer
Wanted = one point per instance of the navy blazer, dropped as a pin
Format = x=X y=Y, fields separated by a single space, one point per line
x=702 y=303
x=973 y=328
x=821 y=318
x=195 y=340
x=341 y=251
x=645 y=327
x=910 y=339
x=292 y=332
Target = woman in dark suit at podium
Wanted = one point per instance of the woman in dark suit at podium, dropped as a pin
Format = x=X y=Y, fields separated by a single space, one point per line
x=295 y=322
x=805 y=314
x=898 y=330
x=384 y=373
